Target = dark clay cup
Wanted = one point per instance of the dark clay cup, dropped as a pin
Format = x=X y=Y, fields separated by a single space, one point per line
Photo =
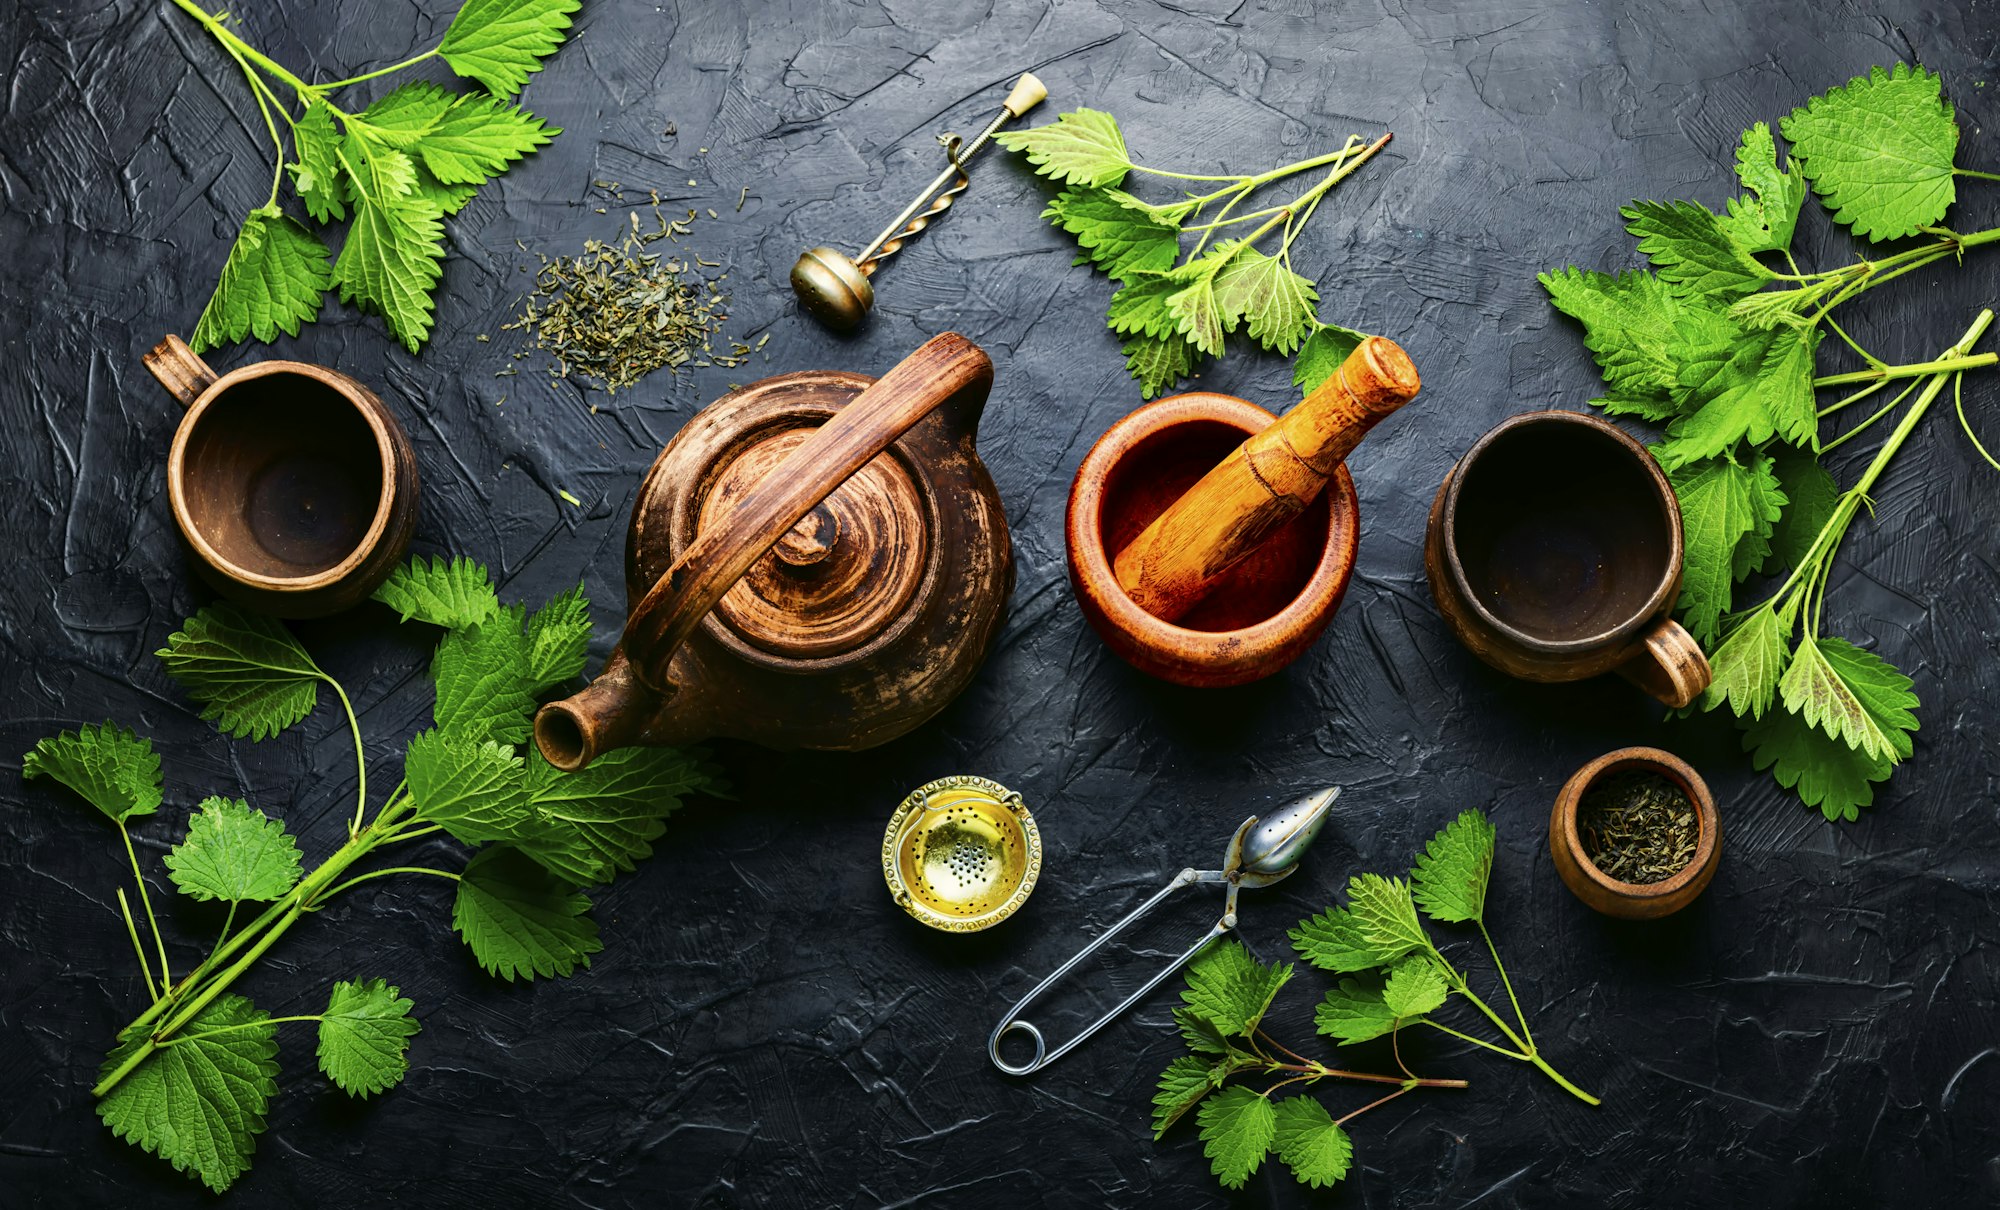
x=293 y=486
x=1554 y=553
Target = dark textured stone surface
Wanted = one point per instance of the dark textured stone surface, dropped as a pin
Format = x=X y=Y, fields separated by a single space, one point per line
x=764 y=1027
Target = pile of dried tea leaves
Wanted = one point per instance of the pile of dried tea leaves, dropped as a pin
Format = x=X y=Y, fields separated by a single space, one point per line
x=1638 y=827
x=617 y=312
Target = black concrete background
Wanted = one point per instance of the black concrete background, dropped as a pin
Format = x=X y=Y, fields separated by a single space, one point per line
x=764 y=1027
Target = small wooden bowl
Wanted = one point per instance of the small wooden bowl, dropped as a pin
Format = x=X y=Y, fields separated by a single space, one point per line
x=1268 y=609
x=1634 y=900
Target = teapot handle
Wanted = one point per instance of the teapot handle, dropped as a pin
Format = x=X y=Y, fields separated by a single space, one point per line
x=938 y=370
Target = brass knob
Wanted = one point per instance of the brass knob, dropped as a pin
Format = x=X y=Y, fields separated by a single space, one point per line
x=832 y=288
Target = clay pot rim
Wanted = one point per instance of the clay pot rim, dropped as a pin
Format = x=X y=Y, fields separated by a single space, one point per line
x=1656 y=601
x=1667 y=765
x=1319 y=595
x=350 y=391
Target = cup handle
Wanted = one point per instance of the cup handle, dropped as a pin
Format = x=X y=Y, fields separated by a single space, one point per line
x=1669 y=665
x=183 y=374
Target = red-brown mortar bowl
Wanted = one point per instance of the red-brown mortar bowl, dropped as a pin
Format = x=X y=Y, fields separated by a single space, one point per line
x=1268 y=608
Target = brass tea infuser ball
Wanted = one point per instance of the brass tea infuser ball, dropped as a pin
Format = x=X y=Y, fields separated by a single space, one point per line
x=834 y=289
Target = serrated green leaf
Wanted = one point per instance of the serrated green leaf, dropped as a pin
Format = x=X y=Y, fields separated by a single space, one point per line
x=477 y=789
x=500 y=43
x=114 y=770
x=1656 y=409
x=485 y=679
x=1310 y=1143
x=1182 y=1086
x=1354 y=1012
x=1825 y=772
x=520 y=920
x=250 y=675
x=1387 y=915
x=274 y=280
x=1449 y=881
x=1692 y=249
x=1766 y=220
x=1202 y=1035
x=1631 y=325
x=1749 y=662
x=1232 y=989
x=234 y=853
x=1716 y=514
x=1414 y=987
x=1333 y=941
x=1769 y=309
x=1810 y=497
x=1262 y=290
x=1158 y=362
x=1879 y=150
x=1321 y=354
x=364 y=1038
x=1197 y=312
x=316 y=173
x=402 y=117
x=1767 y=505
x=1140 y=306
x=389 y=264
x=452 y=594
x=589 y=826
x=558 y=636
x=1237 y=1129
x=198 y=1104
x=1117 y=232
x=1081 y=147
x=463 y=139
x=1855 y=696
x=1760 y=388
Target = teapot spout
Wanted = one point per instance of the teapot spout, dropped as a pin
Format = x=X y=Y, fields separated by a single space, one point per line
x=613 y=711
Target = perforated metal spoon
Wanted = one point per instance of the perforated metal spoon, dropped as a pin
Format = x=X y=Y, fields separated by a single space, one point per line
x=1259 y=854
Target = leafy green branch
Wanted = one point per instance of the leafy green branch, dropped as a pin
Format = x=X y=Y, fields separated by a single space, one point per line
x=192 y=1074
x=1174 y=310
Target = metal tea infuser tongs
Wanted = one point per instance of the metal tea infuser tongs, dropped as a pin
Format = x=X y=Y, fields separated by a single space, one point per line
x=1261 y=853
x=834 y=288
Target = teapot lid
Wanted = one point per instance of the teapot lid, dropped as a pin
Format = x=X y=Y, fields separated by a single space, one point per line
x=840 y=577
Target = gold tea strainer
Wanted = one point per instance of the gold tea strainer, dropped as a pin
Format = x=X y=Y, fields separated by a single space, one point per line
x=961 y=853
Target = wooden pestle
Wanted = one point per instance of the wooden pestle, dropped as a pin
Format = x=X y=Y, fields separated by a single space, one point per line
x=1263 y=483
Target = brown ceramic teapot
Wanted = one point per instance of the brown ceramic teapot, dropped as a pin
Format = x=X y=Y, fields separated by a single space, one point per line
x=817 y=560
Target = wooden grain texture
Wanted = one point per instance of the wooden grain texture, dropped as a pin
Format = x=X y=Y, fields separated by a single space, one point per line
x=1634 y=900
x=1262 y=484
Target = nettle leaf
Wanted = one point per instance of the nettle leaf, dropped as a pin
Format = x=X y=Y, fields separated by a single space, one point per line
x=1202 y=1035
x=1081 y=147
x=1449 y=881
x=364 y=1038
x=1765 y=221
x=1630 y=325
x=1230 y=988
x=1140 y=306
x=1718 y=511
x=1414 y=987
x=558 y=639
x=500 y=43
x=402 y=117
x=1321 y=354
x=1158 y=362
x=316 y=174
x=1767 y=505
x=1118 y=233
x=1810 y=497
x=249 y=673
x=1749 y=662
x=589 y=826
x=275 y=278
x=198 y=1104
x=389 y=264
x=1276 y=302
x=464 y=138
x=1354 y=1012
x=1879 y=150
x=1827 y=773
x=485 y=679
x=1691 y=247
x=521 y=921
x=1387 y=915
x=1760 y=388
x=1334 y=941
x=1657 y=409
x=452 y=594
x=477 y=789
x=1310 y=1143
x=1855 y=696
x=1197 y=313
x=1238 y=1127
x=113 y=770
x=1182 y=1086
x=234 y=853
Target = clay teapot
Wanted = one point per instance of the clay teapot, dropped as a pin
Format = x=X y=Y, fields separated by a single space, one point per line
x=817 y=560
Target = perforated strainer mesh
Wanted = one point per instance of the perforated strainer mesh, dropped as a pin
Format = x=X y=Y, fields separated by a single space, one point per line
x=961 y=853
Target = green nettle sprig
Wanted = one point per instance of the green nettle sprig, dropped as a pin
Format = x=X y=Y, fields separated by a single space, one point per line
x=192 y=1075
x=401 y=166
x=1721 y=345
x=1173 y=311
x=1396 y=976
